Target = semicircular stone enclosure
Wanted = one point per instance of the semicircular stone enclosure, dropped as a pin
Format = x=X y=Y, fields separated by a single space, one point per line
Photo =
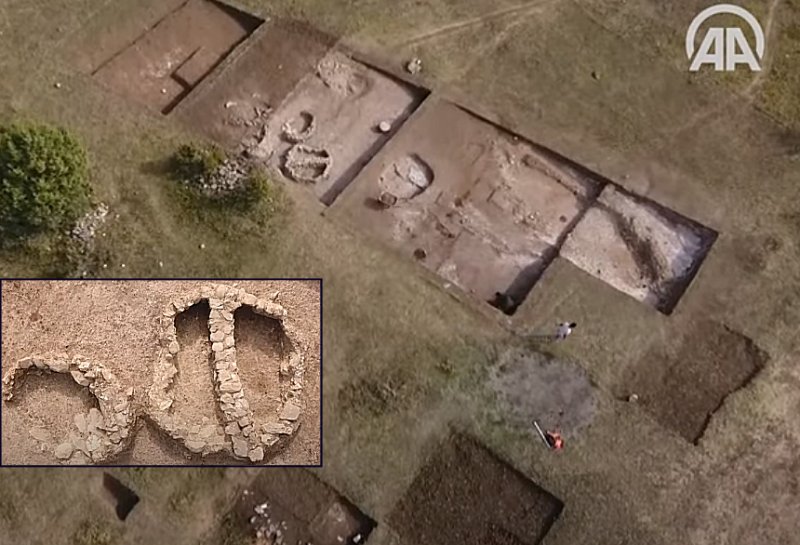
x=102 y=433
x=106 y=431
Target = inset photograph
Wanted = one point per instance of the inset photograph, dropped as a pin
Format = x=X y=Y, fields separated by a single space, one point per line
x=161 y=372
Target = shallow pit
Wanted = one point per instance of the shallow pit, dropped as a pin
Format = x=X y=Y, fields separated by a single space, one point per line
x=161 y=66
x=638 y=247
x=123 y=498
x=683 y=384
x=193 y=385
x=311 y=511
x=465 y=493
x=348 y=101
x=261 y=347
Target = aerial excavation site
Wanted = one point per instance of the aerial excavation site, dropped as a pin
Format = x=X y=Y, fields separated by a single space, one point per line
x=464 y=272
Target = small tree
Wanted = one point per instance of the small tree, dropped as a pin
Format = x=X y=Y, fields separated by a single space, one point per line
x=43 y=180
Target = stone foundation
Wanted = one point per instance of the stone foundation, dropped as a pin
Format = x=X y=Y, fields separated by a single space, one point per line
x=99 y=435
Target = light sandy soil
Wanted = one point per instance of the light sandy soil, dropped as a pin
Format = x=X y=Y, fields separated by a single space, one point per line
x=116 y=323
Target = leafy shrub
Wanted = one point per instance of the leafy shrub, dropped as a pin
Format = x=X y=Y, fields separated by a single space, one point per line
x=43 y=180
x=194 y=162
x=255 y=204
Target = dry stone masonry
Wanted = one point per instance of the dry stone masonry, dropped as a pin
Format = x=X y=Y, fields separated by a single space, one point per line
x=100 y=434
x=238 y=433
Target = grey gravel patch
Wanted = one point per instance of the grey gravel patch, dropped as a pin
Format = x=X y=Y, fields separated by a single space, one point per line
x=538 y=387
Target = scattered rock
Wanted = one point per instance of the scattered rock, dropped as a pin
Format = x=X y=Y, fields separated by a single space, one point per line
x=195 y=446
x=80 y=422
x=274 y=428
x=257 y=454
x=78 y=377
x=294 y=135
x=232 y=429
x=414 y=66
x=290 y=412
x=63 y=451
x=241 y=447
x=307 y=164
x=41 y=434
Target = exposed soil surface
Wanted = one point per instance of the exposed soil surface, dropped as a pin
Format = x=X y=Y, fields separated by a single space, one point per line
x=466 y=495
x=167 y=61
x=301 y=507
x=232 y=107
x=194 y=388
x=556 y=394
x=116 y=323
x=682 y=385
x=261 y=346
x=481 y=208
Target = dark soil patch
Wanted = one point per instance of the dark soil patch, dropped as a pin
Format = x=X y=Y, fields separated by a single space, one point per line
x=301 y=506
x=683 y=385
x=466 y=495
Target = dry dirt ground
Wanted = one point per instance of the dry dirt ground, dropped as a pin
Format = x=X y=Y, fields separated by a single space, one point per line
x=117 y=323
x=601 y=83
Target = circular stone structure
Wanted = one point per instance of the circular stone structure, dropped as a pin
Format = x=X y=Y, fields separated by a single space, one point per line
x=238 y=434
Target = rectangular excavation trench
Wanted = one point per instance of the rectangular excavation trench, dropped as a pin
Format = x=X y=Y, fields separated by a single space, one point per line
x=302 y=507
x=161 y=67
x=466 y=495
x=333 y=122
x=488 y=211
x=683 y=384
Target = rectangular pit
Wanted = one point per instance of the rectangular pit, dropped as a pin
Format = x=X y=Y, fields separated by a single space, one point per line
x=465 y=495
x=480 y=207
x=302 y=507
x=232 y=108
x=683 y=386
x=332 y=119
x=638 y=247
x=123 y=498
x=160 y=67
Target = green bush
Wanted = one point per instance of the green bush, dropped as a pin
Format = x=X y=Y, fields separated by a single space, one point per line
x=194 y=162
x=43 y=180
x=254 y=206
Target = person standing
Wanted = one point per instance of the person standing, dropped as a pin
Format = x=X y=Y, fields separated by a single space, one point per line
x=565 y=330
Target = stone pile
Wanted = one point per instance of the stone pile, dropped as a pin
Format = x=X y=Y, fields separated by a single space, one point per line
x=84 y=231
x=307 y=164
x=229 y=177
x=238 y=433
x=100 y=434
x=267 y=531
x=291 y=134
